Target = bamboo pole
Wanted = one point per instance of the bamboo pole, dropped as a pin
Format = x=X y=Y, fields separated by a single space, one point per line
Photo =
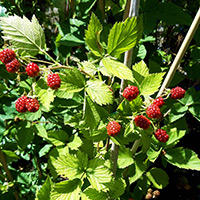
x=180 y=53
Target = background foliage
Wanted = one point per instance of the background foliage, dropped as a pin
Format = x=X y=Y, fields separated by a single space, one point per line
x=67 y=36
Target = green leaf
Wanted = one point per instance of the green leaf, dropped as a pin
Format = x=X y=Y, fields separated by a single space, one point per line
x=142 y=52
x=195 y=111
x=183 y=158
x=10 y=156
x=124 y=36
x=93 y=113
x=44 y=93
x=125 y=157
x=117 y=69
x=97 y=173
x=23 y=33
x=44 y=192
x=66 y=190
x=151 y=83
x=177 y=111
x=99 y=92
x=93 y=194
x=140 y=71
x=71 y=166
x=92 y=36
x=88 y=67
x=44 y=150
x=153 y=154
x=158 y=177
x=72 y=81
x=57 y=138
x=75 y=142
x=116 y=188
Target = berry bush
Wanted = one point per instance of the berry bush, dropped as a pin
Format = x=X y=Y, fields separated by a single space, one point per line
x=76 y=121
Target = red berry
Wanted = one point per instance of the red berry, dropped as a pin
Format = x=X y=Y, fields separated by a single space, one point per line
x=53 y=81
x=142 y=122
x=153 y=111
x=159 y=102
x=32 y=105
x=7 y=55
x=32 y=69
x=177 y=93
x=13 y=66
x=130 y=92
x=113 y=128
x=161 y=135
x=20 y=104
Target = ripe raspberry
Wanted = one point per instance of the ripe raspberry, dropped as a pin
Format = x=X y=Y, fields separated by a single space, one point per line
x=142 y=122
x=53 y=81
x=113 y=128
x=159 y=102
x=130 y=92
x=161 y=135
x=32 y=105
x=7 y=55
x=153 y=111
x=20 y=104
x=177 y=93
x=13 y=66
x=32 y=69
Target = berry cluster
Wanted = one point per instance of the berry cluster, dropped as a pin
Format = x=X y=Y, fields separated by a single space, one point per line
x=32 y=69
x=7 y=56
x=161 y=135
x=24 y=104
x=113 y=128
x=130 y=92
x=53 y=81
x=177 y=93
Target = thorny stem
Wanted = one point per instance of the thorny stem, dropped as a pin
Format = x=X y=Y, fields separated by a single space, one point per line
x=10 y=178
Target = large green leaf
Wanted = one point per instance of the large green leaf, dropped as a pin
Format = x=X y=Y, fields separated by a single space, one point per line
x=92 y=36
x=125 y=157
x=140 y=71
x=195 y=111
x=71 y=166
x=99 y=92
x=72 y=81
x=117 y=69
x=183 y=158
x=22 y=33
x=151 y=83
x=124 y=36
x=116 y=188
x=66 y=190
x=97 y=173
x=93 y=194
x=93 y=113
x=158 y=177
x=44 y=192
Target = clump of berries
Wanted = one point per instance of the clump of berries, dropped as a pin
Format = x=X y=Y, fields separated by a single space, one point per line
x=53 y=81
x=7 y=56
x=113 y=128
x=177 y=93
x=161 y=135
x=142 y=122
x=159 y=102
x=153 y=111
x=130 y=92
x=32 y=69
x=24 y=104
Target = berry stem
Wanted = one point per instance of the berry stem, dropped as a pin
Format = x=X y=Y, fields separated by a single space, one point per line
x=43 y=51
x=135 y=146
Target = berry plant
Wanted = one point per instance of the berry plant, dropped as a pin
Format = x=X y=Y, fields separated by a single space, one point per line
x=71 y=127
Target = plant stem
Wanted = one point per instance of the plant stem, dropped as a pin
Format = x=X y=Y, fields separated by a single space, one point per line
x=181 y=52
x=132 y=8
x=43 y=51
x=9 y=175
x=135 y=146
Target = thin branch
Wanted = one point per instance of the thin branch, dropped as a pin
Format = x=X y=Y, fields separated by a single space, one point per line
x=9 y=175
